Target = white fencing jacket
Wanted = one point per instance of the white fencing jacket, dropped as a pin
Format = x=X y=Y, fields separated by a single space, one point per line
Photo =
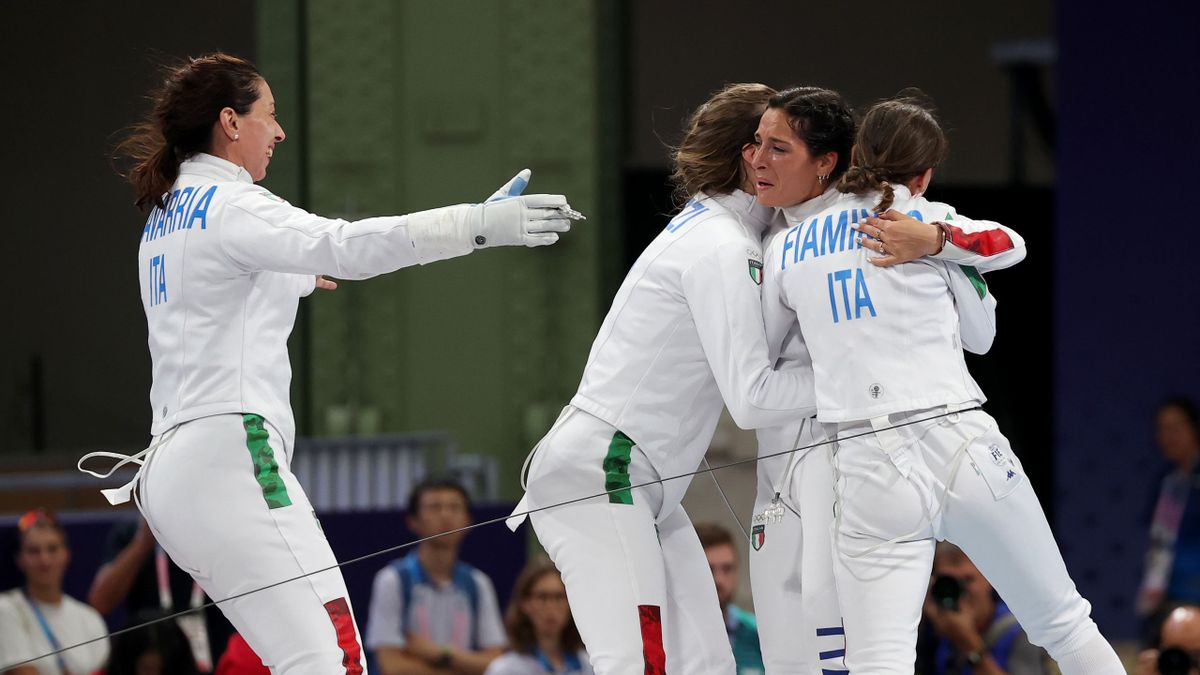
x=882 y=340
x=222 y=269
x=684 y=338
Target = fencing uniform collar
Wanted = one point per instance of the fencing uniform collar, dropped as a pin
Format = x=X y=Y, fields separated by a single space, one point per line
x=803 y=210
x=211 y=166
x=752 y=214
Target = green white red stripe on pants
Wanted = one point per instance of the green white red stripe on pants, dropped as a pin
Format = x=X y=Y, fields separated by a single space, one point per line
x=224 y=504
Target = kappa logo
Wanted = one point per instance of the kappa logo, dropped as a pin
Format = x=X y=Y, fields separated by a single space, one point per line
x=875 y=390
x=756 y=271
x=1011 y=475
x=758 y=536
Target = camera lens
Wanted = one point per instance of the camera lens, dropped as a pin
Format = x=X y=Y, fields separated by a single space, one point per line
x=946 y=591
x=1174 y=661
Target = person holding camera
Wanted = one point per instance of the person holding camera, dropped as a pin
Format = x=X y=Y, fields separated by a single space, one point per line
x=976 y=634
x=1178 y=645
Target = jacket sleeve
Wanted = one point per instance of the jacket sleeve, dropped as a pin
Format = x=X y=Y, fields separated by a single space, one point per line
x=263 y=232
x=778 y=316
x=306 y=283
x=976 y=307
x=723 y=296
x=985 y=245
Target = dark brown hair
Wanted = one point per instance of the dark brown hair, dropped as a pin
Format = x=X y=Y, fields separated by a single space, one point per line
x=898 y=140
x=711 y=535
x=710 y=157
x=822 y=119
x=186 y=107
x=520 y=629
x=435 y=484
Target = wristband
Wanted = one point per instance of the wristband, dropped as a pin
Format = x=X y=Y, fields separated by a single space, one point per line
x=944 y=232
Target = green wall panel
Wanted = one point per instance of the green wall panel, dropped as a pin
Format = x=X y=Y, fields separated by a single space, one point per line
x=413 y=105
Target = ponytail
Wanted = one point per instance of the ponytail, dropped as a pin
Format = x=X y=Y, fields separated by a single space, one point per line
x=186 y=107
x=155 y=165
x=862 y=180
x=898 y=140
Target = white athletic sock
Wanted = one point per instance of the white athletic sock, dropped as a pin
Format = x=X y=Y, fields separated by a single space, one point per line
x=1094 y=657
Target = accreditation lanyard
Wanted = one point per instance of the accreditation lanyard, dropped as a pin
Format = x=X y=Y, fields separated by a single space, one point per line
x=571 y=663
x=191 y=624
x=37 y=612
x=165 y=599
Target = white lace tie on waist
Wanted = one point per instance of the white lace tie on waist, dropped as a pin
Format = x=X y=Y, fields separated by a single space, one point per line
x=122 y=494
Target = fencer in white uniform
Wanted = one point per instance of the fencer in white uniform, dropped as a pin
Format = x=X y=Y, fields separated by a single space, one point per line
x=683 y=339
x=791 y=560
x=222 y=265
x=886 y=352
x=801 y=148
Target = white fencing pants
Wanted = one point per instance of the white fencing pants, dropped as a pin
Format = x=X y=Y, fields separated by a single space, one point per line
x=222 y=502
x=637 y=580
x=791 y=562
x=955 y=478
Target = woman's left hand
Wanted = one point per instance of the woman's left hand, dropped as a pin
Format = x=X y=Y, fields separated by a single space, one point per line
x=899 y=238
x=326 y=284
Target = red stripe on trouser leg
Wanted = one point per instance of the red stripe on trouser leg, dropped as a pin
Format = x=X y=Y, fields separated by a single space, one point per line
x=988 y=242
x=343 y=623
x=652 y=639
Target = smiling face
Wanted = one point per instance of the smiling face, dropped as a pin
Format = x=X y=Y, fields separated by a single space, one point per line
x=258 y=133
x=784 y=171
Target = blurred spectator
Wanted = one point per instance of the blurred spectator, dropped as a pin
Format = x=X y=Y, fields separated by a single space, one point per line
x=240 y=659
x=1173 y=559
x=13 y=649
x=975 y=632
x=722 y=556
x=541 y=632
x=430 y=612
x=158 y=649
x=139 y=574
x=1178 y=646
x=43 y=618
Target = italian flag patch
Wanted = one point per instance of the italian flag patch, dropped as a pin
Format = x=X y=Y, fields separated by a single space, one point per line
x=756 y=271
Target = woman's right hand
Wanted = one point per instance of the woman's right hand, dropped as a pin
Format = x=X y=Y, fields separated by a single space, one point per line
x=530 y=220
x=541 y=216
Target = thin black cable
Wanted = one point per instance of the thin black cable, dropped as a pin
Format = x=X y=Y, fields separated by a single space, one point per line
x=732 y=514
x=398 y=547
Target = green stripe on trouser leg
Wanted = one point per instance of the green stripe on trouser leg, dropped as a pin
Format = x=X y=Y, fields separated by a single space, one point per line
x=266 y=469
x=616 y=470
